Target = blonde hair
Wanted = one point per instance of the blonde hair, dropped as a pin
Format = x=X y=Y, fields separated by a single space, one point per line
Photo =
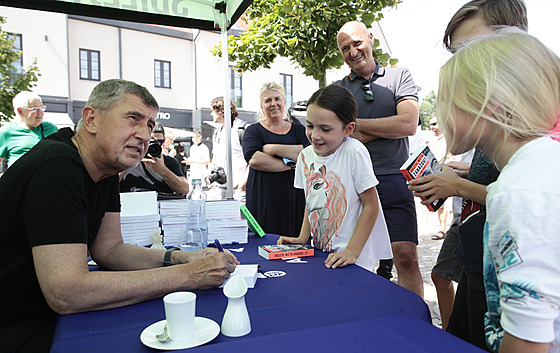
x=509 y=79
x=271 y=86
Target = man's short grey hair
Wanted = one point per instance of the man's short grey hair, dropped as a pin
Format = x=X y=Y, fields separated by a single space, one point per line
x=109 y=93
x=21 y=100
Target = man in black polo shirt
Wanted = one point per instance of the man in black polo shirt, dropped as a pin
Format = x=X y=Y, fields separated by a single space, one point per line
x=61 y=203
x=388 y=113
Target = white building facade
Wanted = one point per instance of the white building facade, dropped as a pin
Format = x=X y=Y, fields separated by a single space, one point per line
x=74 y=53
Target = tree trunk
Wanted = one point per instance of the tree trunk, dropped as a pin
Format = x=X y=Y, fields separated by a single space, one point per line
x=323 y=80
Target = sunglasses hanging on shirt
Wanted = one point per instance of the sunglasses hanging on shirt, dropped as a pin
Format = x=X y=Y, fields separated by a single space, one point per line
x=368 y=93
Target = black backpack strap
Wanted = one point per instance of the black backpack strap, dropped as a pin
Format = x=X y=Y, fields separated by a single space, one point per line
x=241 y=130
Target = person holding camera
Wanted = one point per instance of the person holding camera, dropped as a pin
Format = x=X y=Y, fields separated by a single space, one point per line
x=199 y=157
x=217 y=178
x=157 y=171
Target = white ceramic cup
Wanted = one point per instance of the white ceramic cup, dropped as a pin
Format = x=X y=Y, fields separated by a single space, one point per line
x=180 y=308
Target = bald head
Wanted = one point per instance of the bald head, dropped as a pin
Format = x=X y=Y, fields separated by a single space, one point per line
x=352 y=26
x=355 y=43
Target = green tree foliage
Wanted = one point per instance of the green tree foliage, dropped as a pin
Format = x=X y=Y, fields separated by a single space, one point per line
x=10 y=86
x=427 y=109
x=303 y=31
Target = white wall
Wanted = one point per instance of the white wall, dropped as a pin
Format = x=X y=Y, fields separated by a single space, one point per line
x=210 y=79
x=50 y=51
x=140 y=49
x=303 y=86
x=92 y=36
x=211 y=82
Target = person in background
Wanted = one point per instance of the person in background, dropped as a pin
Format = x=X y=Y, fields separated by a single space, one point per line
x=388 y=113
x=239 y=167
x=17 y=137
x=271 y=148
x=477 y=17
x=199 y=157
x=339 y=183
x=490 y=98
x=168 y=146
x=62 y=204
x=415 y=140
x=181 y=158
x=160 y=172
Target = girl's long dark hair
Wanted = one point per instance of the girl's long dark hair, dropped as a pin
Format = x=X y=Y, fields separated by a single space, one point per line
x=337 y=99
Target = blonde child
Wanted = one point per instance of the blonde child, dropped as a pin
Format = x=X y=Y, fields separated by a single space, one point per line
x=501 y=93
x=343 y=213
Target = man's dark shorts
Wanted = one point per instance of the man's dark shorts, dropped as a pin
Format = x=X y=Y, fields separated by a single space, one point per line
x=447 y=265
x=398 y=207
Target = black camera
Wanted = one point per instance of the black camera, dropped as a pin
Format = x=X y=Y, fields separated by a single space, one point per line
x=218 y=175
x=154 y=148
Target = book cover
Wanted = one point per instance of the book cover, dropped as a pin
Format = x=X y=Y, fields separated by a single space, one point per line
x=272 y=252
x=251 y=221
x=420 y=163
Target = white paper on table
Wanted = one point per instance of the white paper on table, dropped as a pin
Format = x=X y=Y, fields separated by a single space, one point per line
x=249 y=273
x=135 y=204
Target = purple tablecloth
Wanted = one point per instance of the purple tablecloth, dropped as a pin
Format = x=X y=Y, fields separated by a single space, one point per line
x=310 y=308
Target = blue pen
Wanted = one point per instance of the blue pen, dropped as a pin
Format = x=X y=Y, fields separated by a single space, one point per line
x=218 y=245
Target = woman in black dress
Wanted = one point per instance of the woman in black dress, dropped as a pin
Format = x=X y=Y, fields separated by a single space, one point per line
x=268 y=147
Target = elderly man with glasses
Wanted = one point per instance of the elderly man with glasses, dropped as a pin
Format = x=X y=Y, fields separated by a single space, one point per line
x=388 y=113
x=17 y=137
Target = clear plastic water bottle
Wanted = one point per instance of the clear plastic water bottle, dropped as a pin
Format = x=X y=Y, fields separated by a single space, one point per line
x=196 y=236
x=191 y=240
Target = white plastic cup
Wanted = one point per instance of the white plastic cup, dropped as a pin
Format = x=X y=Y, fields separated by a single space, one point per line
x=180 y=308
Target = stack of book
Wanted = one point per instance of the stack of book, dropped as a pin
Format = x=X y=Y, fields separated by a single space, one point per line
x=139 y=217
x=225 y=222
x=173 y=220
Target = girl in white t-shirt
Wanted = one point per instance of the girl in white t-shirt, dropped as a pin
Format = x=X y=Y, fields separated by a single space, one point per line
x=501 y=93
x=343 y=213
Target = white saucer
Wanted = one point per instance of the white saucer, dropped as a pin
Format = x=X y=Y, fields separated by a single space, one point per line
x=206 y=331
